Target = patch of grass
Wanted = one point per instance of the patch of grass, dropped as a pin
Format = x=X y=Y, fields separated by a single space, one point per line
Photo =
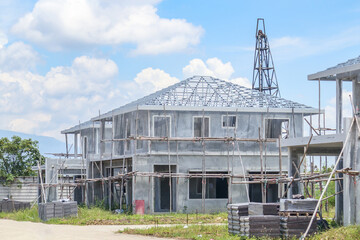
x=339 y=233
x=98 y=216
x=22 y=215
x=198 y=232
x=220 y=232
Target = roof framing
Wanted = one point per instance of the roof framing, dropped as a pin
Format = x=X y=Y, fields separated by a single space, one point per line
x=211 y=94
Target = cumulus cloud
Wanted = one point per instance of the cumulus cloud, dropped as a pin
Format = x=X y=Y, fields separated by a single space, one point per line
x=45 y=104
x=216 y=68
x=59 y=24
x=86 y=75
x=17 y=56
x=151 y=80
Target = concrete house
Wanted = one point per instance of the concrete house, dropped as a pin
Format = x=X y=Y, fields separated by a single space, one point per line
x=188 y=147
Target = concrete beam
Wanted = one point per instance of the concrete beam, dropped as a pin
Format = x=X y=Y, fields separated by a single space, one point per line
x=329 y=74
x=326 y=141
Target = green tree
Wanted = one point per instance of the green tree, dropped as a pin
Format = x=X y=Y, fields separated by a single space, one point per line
x=17 y=156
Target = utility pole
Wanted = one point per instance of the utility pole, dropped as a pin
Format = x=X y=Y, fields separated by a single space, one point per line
x=264 y=75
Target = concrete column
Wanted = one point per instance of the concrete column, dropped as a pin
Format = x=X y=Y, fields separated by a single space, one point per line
x=356 y=148
x=338 y=105
x=355 y=151
x=75 y=144
x=102 y=137
x=356 y=93
x=295 y=187
x=339 y=203
x=349 y=187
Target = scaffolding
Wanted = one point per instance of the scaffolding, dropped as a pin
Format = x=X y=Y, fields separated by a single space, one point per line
x=188 y=94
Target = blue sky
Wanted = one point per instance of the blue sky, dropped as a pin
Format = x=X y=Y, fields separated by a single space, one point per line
x=62 y=61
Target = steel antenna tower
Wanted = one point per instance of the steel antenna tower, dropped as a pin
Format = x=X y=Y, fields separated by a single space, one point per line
x=264 y=75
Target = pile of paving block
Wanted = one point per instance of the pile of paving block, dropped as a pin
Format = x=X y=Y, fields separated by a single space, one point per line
x=10 y=205
x=254 y=219
x=58 y=209
x=295 y=216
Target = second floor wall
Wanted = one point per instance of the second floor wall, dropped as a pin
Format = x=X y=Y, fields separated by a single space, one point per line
x=190 y=124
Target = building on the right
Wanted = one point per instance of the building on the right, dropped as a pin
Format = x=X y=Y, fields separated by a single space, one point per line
x=344 y=144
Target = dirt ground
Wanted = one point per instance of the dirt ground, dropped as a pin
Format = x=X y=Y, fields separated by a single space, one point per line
x=13 y=230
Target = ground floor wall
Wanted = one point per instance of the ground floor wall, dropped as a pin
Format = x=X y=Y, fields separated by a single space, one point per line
x=186 y=193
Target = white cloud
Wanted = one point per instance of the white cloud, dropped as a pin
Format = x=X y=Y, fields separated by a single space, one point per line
x=216 y=68
x=17 y=56
x=59 y=24
x=150 y=80
x=30 y=123
x=241 y=81
x=330 y=109
x=46 y=104
x=3 y=39
x=220 y=69
x=291 y=47
x=23 y=125
x=86 y=75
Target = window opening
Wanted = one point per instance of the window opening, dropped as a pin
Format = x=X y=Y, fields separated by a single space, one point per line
x=201 y=127
x=276 y=127
x=229 y=121
x=216 y=188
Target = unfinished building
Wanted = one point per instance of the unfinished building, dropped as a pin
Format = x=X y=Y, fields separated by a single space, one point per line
x=194 y=146
x=344 y=144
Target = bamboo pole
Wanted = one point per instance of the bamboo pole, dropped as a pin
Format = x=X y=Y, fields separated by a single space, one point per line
x=263 y=197
x=42 y=185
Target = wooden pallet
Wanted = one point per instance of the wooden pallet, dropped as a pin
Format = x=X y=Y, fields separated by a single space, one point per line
x=295 y=213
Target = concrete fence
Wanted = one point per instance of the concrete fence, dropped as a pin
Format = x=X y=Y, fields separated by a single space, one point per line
x=24 y=189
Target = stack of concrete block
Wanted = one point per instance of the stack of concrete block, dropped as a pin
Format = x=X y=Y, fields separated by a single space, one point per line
x=295 y=217
x=57 y=210
x=254 y=219
x=10 y=205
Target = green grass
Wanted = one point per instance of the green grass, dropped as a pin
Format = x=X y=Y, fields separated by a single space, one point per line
x=339 y=233
x=98 y=216
x=220 y=232
x=22 y=215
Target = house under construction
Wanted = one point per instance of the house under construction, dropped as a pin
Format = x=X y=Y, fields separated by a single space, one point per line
x=344 y=144
x=194 y=146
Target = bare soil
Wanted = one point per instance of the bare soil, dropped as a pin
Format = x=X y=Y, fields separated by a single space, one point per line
x=14 y=230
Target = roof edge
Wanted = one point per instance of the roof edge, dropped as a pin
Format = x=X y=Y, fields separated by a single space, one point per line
x=109 y=115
